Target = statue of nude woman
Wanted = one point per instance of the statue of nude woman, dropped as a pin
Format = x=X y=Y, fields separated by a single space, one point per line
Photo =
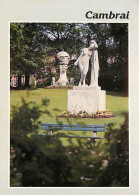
x=83 y=62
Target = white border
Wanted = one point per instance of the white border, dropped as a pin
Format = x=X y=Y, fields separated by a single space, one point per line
x=73 y=10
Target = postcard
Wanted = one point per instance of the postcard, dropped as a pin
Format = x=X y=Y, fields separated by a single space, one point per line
x=69 y=97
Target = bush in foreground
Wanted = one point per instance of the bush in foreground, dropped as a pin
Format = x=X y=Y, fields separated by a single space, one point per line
x=42 y=161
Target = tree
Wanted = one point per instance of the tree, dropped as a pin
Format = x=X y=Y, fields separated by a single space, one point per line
x=16 y=40
x=112 y=40
x=115 y=157
x=120 y=34
x=34 y=44
x=35 y=160
x=26 y=49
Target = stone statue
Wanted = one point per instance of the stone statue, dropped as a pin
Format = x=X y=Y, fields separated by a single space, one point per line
x=72 y=81
x=63 y=60
x=53 y=81
x=83 y=63
x=94 y=64
x=87 y=98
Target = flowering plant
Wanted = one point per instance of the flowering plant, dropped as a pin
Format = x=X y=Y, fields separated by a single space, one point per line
x=84 y=114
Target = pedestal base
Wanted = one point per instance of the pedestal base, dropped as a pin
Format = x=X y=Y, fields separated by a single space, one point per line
x=62 y=82
x=88 y=98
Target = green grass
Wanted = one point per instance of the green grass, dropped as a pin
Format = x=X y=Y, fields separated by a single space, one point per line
x=117 y=103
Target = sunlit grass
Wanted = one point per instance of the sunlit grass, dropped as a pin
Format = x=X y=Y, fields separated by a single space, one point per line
x=117 y=103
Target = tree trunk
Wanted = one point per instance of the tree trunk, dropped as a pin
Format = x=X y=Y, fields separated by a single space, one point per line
x=27 y=80
x=19 y=80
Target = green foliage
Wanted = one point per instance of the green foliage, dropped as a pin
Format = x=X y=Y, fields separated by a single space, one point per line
x=24 y=116
x=73 y=72
x=114 y=76
x=41 y=84
x=43 y=161
x=35 y=160
x=115 y=157
x=33 y=86
x=34 y=44
x=64 y=36
x=26 y=50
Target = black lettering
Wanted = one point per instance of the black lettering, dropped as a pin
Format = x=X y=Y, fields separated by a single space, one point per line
x=117 y=15
x=95 y=16
x=89 y=12
x=127 y=17
x=112 y=15
x=103 y=15
x=122 y=16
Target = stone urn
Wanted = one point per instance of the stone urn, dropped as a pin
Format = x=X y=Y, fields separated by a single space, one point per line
x=63 y=60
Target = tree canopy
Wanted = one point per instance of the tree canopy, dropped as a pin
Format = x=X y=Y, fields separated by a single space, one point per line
x=32 y=45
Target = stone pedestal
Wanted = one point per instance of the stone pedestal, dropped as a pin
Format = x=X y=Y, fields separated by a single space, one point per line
x=63 y=75
x=88 y=98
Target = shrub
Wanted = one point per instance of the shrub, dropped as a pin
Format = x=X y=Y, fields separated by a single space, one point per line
x=43 y=161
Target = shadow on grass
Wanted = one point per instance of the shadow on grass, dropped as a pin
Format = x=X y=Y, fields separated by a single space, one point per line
x=118 y=94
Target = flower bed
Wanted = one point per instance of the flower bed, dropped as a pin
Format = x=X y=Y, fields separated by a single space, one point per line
x=84 y=114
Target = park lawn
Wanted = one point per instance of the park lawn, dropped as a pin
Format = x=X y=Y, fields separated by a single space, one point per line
x=117 y=103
